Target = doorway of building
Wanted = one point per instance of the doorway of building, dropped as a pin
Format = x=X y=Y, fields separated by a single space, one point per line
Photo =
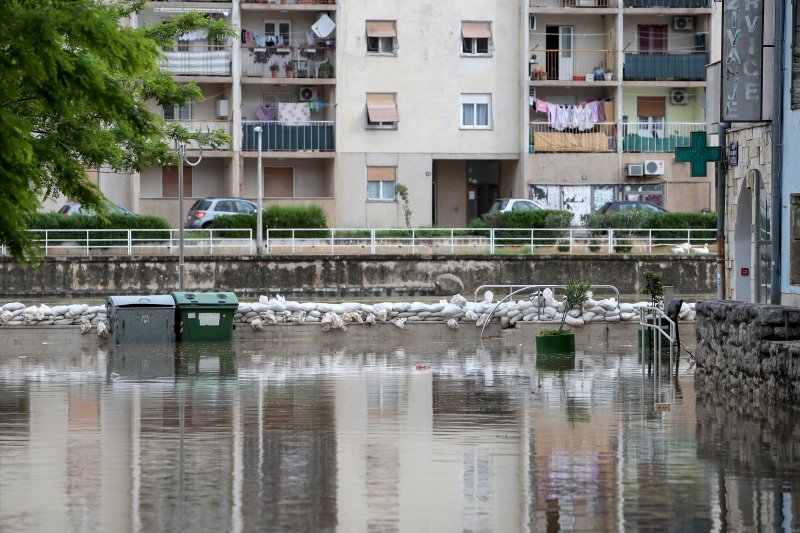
x=559 y=42
x=483 y=187
x=743 y=245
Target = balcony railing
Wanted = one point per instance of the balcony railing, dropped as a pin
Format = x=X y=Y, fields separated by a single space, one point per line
x=289 y=2
x=566 y=65
x=689 y=66
x=199 y=60
x=669 y=3
x=317 y=136
x=546 y=137
x=573 y=3
x=657 y=137
x=199 y=125
x=305 y=60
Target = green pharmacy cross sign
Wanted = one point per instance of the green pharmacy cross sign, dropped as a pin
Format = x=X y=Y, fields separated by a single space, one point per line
x=698 y=154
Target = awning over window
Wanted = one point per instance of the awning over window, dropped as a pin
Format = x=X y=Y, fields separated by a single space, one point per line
x=651 y=106
x=476 y=30
x=381 y=107
x=381 y=173
x=381 y=28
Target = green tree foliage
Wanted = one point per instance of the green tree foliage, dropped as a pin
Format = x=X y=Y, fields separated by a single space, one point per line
x=653 y=286
x=279 y=217
x=74 y=79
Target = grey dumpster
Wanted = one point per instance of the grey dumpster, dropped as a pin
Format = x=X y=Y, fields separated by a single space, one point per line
x=140 y=319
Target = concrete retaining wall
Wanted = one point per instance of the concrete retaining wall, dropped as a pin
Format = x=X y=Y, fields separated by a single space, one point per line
x=342 y=275
x=742 y=350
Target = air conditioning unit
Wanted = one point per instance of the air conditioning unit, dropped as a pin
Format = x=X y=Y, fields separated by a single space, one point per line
x=654 y=167
x=222 y=109
x=678 y=96
x=683 y=23
x=634 y=170
x=308 y=94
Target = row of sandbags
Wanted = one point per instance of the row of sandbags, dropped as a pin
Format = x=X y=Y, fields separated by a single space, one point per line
x=542 y=307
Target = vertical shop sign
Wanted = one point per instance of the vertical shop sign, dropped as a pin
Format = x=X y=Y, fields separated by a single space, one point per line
x=742 y=60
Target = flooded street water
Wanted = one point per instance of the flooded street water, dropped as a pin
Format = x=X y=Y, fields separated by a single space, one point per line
x=368 y=436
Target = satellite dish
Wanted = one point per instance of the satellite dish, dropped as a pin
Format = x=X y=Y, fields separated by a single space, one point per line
x=323 y=26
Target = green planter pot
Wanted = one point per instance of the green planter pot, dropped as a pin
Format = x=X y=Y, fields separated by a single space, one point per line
x=555 y=361
x=563 y=343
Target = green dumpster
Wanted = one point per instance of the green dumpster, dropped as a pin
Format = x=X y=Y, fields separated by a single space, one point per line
x=204 y=316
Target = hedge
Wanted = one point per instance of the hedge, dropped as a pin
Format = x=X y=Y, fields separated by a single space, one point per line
x=309 y=217
x=57 y=221
x=513 y=227
x=640 y=220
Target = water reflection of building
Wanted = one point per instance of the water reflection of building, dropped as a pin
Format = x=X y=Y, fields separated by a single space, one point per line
x=360 y=440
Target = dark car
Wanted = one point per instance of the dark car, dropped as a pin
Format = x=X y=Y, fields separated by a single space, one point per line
x=74 y=208
x=203 y=211
x=621 y=207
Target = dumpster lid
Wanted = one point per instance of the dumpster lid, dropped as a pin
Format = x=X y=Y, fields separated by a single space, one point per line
x=205 y=298
x=145 y=300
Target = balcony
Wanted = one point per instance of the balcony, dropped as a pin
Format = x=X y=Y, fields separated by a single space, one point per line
x=283 y=4
x=312 y=136
x=568 y=65
x=306 y=61
x=544 y=137
x=689 y=66
x=680 y=4
x=199 y=60
x=557 y=4
x=662 y=137
x=200 y=125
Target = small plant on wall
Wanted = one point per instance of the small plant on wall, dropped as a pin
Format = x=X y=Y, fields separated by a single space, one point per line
x=402 y=192
x=653 y=286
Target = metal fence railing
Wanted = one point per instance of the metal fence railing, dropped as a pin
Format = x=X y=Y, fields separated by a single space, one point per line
x=453 y=241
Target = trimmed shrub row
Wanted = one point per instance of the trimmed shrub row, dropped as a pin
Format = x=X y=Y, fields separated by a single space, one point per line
x=57 y=221
x=309 y=217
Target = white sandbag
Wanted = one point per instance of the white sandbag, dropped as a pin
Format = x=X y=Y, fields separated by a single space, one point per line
x=514 y=319
x=249 y=314
x=314 y=314
x=531 y=313
x=684 y=311
x=615 y=318
x=573 y=321
x=102 y=330
x=59 y=310
x=453 y=323
x=292 y=306
x=629 y=316
x=337 y=309
x=524 y=305
x=13 y=306
x=268 y=317
x=352 y=318
x=369 y=319
x=549 y=312
x=323 y=308
x=350 y=307
x=365 y=308
x=5 y=316
x=589 y=303
x=276 y=306
x=382 y=315
x=574 y=313
x=415 y=318
x=482 y=319
x=514 y=313
x=504 y=322
x=77 y=309
x=416 y=307
x=327 y=321
x=257 y=325
x=608 y=304
x=692 y=315
x=437 y=308
x=244 y=308
x=93 y=309
x=260 y=308
x=599 y=318
x=458 y=300
x=626 y=308
x=612 y=314
x=280 y=298
x=597 y=310
x=308 y=306
x=63 y=322
x=450 y=310
x=399 y=322
x=401 y=307
x=547 y=294
x=488 y=297
x=263 y=299
x=310 y=318
x=470 y=315
x=588 y=316
x=17 y=313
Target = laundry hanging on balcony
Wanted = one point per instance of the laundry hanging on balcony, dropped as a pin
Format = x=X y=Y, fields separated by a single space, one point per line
x=581 y=117
x=196 y=35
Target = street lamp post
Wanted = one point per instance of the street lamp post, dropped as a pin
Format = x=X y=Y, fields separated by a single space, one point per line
x=259 y=213
x=180 y=149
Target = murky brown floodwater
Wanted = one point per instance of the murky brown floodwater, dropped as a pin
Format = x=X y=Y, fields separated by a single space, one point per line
x=255 y=437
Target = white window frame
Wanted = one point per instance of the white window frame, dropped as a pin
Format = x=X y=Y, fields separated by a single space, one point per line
x=277 y=34
x=179 y=112
x=474 y=100
x=386 y=46
x=651 y=127
x=387 y=191
x=472 y=49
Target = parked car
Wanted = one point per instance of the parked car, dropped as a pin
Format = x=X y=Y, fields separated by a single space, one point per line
x=504 y=205
x=621 y=207
x=205 y=210
x=74 y=208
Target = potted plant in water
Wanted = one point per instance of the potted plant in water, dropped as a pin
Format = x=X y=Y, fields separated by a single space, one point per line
x=275 y=70
x=653 y=286
x=561 y=340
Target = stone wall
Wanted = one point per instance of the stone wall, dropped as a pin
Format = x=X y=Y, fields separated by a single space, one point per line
x=349 y=276
x=741 y=350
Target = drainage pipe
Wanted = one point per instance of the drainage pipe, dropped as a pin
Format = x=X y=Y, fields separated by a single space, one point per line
x=721 y=192
x=777 y=153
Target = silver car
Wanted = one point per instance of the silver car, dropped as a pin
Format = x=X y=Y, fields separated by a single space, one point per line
x=74 y=208
x=205 y=210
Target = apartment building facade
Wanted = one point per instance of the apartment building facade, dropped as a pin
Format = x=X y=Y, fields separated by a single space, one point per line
x=570 y=102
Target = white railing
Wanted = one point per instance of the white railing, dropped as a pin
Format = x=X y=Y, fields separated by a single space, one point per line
x=452 y=241
x=573 y=3
x=199 y=60
x=658 y=136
